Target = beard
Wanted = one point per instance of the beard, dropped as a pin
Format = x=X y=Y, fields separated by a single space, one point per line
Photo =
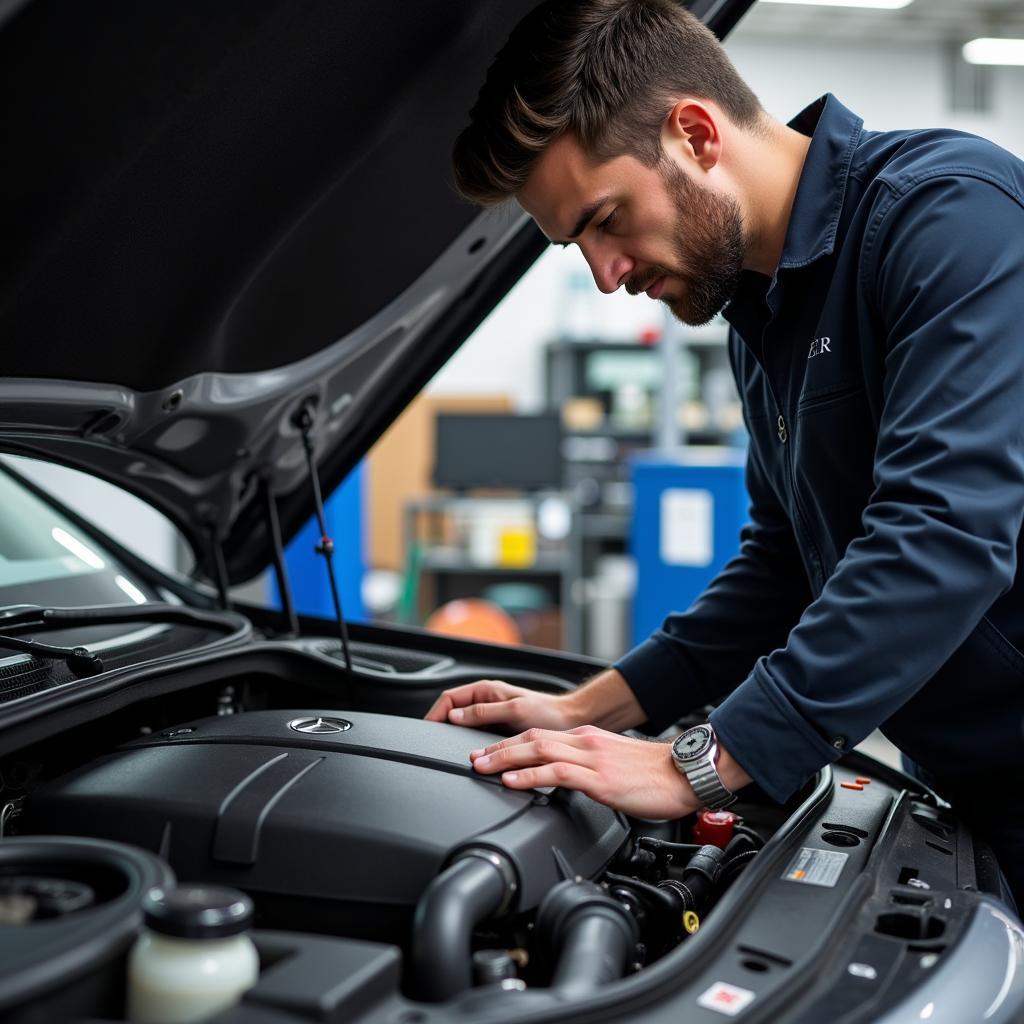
x=708 y=249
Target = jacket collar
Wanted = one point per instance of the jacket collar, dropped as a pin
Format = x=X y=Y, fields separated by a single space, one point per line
x=814 y=220
x=835 y=132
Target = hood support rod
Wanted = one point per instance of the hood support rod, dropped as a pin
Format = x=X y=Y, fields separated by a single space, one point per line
x=304 y=421
x=220 y=569
x=280 y=567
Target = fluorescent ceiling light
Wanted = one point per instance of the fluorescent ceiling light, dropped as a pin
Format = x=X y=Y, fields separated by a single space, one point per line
x=878 y=5
x=993 y=51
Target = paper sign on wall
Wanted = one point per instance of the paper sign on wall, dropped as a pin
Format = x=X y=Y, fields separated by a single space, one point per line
x=687 y=518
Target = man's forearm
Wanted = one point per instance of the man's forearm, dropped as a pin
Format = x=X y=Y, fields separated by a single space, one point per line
x=607 y=702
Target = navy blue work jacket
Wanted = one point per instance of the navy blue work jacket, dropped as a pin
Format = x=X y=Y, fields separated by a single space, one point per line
x=882 y=376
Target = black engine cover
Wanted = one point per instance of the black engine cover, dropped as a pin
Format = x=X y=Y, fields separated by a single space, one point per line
x=340 y=831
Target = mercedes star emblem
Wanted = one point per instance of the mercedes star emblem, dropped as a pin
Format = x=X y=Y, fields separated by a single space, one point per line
x=319 y=726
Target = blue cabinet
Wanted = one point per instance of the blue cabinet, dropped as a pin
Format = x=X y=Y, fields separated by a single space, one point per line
x=688 y=511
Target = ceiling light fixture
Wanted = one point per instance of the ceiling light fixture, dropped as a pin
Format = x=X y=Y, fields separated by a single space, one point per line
x=878 y=5
x=994 y=51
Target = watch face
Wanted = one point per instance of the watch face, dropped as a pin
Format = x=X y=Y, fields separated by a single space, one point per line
x=693 y=742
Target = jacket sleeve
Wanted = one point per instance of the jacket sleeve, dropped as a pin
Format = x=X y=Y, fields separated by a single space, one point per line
x=697 y=657
x=944 y=269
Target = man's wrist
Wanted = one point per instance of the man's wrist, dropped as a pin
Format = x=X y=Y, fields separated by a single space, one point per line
x=605 y=701
x=683 y=791
x=733 y=775
x=582 y=705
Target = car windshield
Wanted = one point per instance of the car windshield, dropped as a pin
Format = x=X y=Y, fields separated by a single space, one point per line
x=46 y=559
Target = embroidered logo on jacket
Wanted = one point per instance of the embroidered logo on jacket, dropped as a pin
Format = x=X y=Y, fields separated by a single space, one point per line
x=819 y=346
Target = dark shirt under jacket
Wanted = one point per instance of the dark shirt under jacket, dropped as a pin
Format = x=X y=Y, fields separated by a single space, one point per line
x=882 y=378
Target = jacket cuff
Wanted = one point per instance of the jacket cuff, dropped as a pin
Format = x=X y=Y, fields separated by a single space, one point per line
x=776 y=746
x=660 y=682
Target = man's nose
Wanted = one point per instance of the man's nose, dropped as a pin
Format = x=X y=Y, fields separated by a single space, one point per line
x=610 y=269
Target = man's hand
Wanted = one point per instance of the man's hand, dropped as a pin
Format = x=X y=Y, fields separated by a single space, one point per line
x=606 y=700
x=633 y=776
x=491 y=702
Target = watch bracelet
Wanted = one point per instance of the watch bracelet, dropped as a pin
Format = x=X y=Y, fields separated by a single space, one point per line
x=708 y=787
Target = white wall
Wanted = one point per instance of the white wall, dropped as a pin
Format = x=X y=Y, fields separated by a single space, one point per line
x=889 y=86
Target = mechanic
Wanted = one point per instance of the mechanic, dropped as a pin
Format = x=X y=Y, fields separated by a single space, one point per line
x=874 y=285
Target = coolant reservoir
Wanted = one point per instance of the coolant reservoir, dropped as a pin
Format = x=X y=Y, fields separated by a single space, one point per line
x=715 y=828
x=193 y=958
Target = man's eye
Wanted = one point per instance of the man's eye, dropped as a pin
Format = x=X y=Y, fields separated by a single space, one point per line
x=608 y=221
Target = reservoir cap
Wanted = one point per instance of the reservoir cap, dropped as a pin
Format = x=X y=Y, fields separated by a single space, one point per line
x=197 y=911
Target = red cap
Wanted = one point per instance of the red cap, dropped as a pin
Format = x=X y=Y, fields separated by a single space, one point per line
x=715 y=828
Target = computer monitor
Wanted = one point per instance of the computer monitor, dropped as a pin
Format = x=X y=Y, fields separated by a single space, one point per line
x=521 y=452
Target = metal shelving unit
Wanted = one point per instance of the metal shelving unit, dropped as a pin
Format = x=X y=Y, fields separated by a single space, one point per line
x=428 y=520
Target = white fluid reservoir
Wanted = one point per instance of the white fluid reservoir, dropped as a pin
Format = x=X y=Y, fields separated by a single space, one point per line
x=193 y=958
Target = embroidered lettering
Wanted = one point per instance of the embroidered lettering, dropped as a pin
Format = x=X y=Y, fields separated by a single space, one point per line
x=819 y=346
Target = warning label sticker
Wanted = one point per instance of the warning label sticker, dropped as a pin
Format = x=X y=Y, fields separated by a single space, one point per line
x=726 y=998
x=816 y=867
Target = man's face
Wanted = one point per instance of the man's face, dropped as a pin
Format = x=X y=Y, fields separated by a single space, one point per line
x=652 y=229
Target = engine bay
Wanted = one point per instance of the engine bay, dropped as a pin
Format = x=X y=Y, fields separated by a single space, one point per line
x=388 y=877
x=338 y=821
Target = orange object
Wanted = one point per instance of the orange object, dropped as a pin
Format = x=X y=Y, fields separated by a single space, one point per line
x=851 y=785
x=863 y=782
x=472 y=618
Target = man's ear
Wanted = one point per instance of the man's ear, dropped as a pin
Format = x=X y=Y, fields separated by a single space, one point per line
x=691 y=130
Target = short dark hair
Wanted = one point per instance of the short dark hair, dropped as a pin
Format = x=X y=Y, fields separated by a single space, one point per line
x=604 y=71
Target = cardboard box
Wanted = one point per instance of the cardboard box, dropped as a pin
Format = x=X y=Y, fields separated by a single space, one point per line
x=400 y=465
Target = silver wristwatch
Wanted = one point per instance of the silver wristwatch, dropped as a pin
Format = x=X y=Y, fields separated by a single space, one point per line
x=695 y=753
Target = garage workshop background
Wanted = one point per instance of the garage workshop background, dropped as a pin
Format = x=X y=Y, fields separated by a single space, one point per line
x=579 y=451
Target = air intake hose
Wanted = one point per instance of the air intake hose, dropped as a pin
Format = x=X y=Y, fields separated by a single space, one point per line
x=700 y=879
x=593 y=935
x=479 y=884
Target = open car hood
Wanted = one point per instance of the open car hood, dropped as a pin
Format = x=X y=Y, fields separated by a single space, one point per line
x=216 y=213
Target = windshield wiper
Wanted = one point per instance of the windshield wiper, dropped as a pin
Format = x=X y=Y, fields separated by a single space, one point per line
x=18 y=618
x=80 y=660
